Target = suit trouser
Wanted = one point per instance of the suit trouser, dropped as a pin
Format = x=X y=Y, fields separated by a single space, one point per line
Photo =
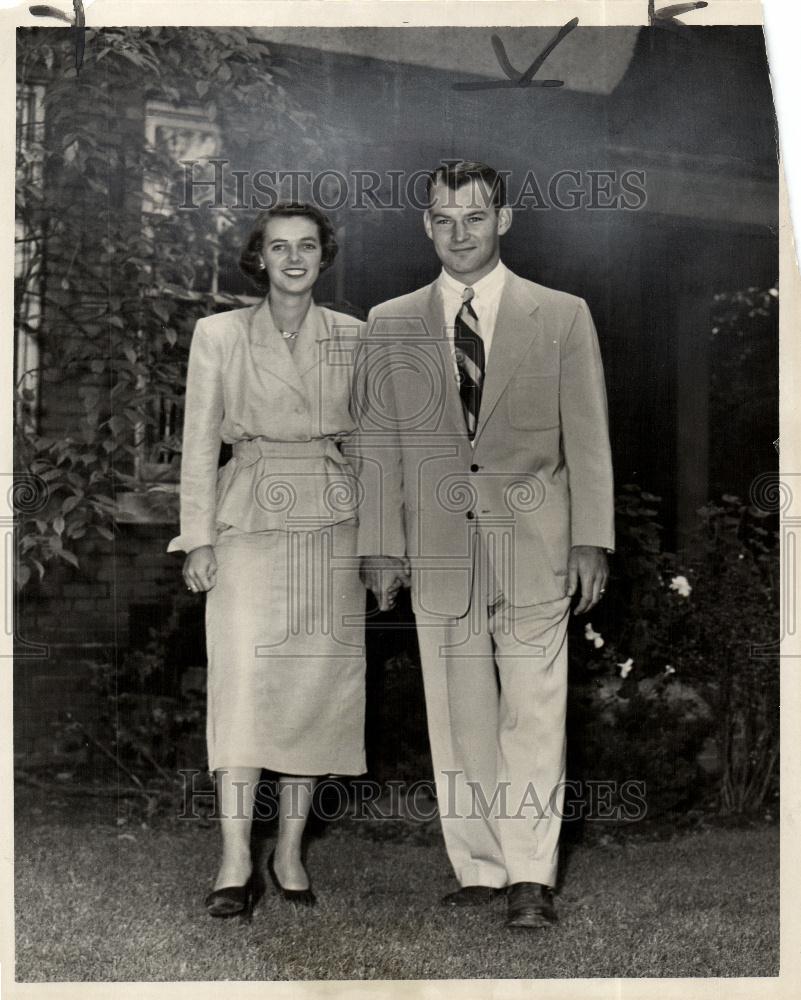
x=496 y=691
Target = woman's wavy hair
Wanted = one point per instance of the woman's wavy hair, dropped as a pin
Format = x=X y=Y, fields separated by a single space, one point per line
x=249 y=262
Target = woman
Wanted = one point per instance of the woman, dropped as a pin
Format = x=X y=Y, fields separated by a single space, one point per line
x=271 y=539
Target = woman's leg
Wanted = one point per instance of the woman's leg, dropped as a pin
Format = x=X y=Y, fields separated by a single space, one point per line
x=236 y=788
x=294 y=806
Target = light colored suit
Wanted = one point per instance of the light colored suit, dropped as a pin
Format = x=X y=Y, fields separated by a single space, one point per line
x=284 y=619
x=488 y=528
x=284 y=412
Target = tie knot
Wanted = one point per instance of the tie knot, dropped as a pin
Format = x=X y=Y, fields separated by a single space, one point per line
x=467 y=294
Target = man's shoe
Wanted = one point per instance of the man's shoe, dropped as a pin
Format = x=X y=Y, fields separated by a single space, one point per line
x=471 y=895
x=530 y=905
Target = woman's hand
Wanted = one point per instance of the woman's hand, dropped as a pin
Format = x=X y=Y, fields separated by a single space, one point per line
x=200 y=569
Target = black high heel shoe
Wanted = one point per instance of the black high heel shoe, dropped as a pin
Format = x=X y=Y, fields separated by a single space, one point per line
x=235 y=900
x=302 y=897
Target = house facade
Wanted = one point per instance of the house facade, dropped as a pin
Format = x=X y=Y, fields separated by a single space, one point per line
x=647 y=184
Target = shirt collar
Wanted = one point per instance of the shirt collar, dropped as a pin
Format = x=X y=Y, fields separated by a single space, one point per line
x=486 y=288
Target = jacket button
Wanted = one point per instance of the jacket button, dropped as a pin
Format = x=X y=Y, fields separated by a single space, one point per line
x=470 y=515
x=474 y=467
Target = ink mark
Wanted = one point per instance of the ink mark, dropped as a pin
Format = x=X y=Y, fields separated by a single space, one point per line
x=78 y=25
x=666 y=16
x=80 y=33
x=514 y=78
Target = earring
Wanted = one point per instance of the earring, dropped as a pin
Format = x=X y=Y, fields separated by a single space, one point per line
x=262 y=265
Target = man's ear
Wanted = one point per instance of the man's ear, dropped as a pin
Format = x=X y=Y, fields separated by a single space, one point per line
x=427 y=224
x=504 y=219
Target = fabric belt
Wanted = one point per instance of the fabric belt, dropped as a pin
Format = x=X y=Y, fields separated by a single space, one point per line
x=252 y=449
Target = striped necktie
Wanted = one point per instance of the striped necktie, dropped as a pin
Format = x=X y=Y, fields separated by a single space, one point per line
x=469 y=350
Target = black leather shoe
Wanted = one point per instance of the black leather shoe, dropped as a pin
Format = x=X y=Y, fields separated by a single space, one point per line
x=530 y=906
x=302 y=897
x=234 y=900
x=471 y=895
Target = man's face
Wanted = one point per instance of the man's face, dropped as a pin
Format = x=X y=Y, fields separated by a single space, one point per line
x=466 y=228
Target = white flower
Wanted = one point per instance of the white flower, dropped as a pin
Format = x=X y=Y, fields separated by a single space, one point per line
x=670 y=670
x=592 y=636
x=625 y=668
x=681 y=585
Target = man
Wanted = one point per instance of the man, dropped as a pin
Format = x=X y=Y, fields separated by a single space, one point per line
x=487 y=482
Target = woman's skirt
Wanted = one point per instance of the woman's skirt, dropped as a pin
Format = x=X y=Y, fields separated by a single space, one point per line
x=285 y=642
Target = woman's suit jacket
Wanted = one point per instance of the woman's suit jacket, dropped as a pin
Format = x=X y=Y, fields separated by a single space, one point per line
x=285 y=413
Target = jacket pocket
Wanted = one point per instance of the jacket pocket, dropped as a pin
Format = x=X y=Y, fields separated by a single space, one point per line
x=533 y=402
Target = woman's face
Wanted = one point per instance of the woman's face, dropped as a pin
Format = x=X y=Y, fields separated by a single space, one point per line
x=291 y=253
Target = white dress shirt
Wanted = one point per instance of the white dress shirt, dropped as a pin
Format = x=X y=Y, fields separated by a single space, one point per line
x=486 y=300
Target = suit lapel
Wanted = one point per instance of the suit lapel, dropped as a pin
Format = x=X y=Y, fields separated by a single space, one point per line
x=437 y=326
x=309 y=348
x=270 y=350
x=516 y=327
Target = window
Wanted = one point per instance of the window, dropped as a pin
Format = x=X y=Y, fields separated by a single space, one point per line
x=175 y=135
x=179 y=134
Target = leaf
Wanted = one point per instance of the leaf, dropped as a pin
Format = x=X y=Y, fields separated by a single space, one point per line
x=23 y=575
x=116 y=425
x=90 y=396
x=104 y=532
x=70 y=557
x=58 y=525
x=161 y=310
x=70 y=504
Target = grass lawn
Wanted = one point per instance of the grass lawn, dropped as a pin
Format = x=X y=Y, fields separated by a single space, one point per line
x=97 y=903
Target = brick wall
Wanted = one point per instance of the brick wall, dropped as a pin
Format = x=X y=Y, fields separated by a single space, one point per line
x=82 y=616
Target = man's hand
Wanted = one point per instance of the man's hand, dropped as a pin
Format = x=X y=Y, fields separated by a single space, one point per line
x=200 y=569
x=385 y=575
x=587 y=564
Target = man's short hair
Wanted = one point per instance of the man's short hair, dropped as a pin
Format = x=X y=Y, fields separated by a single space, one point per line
x=456 y=173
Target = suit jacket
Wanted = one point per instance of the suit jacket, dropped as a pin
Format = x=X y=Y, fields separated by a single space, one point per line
x=536 y=480
x=286 y=414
